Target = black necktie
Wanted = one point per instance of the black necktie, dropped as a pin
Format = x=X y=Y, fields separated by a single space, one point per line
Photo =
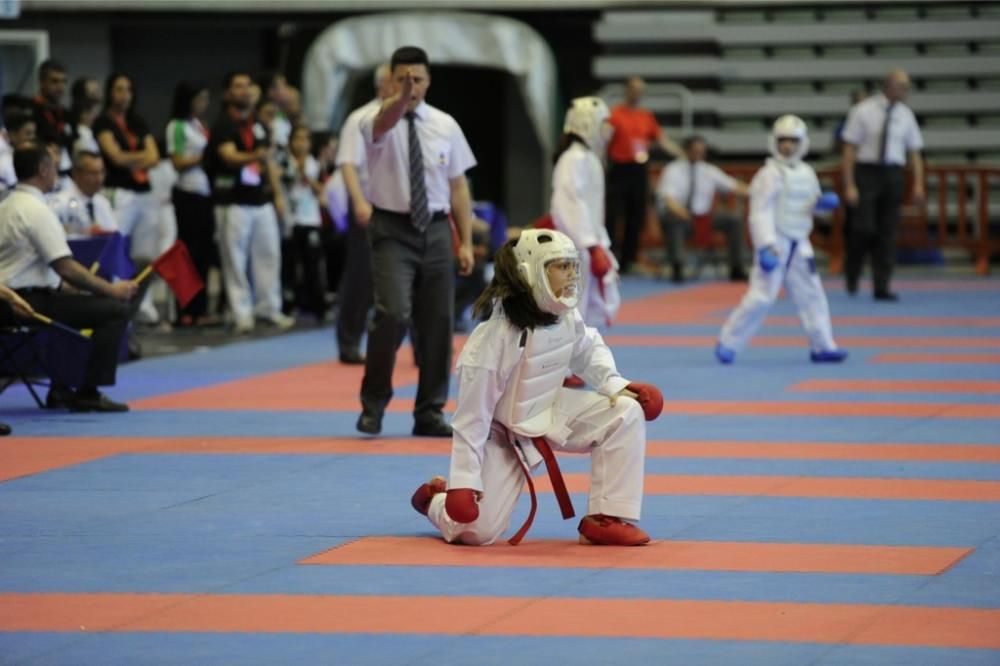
x=420 y=215
x=90 y=211
x=883 y=147
x=690 y=199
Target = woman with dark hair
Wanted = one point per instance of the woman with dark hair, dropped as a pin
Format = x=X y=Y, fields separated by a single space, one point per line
x=129 y=151
x=187 y=137
x=82 y=115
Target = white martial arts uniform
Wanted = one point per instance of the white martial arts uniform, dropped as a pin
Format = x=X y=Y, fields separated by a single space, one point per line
x=782 y=198
x=510 y=381
x=577 y=210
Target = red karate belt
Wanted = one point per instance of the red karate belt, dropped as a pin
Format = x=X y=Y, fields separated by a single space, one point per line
x=558 y=487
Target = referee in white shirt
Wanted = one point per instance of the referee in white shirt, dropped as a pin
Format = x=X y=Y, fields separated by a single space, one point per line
x=880 y=133
x=686 y=190
x=417 y=159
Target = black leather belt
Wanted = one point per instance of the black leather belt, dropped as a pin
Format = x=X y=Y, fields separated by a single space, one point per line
x=436 y=215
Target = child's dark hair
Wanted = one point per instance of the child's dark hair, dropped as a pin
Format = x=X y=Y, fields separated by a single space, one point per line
x=513 y=293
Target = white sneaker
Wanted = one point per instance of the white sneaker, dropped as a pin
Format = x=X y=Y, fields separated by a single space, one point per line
x=282 y=321
x=243 y=327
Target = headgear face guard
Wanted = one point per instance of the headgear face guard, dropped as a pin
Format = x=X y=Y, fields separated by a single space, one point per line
x=587 y=118
x=789 y=127
x=535 y=250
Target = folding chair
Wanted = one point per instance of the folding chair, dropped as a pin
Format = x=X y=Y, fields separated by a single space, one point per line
x=21 y=359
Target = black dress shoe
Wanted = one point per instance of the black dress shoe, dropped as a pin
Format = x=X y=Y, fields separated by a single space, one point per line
x=59 y=397
x=886 y=296
x=676 y=273
x=352 y=357
x=852 y=287
x=737 y=274
x=432 y=427
x=370 y=422
x=4 y=429
x=96 y=402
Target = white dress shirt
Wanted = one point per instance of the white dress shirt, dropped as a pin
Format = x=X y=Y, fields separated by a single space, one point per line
x=70 y=206
x=351 y=149
x=446 y=155
x=864 y=126
x=675 y=182
x=31 y=238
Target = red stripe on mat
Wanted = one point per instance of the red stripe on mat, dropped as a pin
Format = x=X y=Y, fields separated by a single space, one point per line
x=862 y=624
x=978 y=387
x=23 y=456
x=828 y=409
x=928 y=357
x=799 y=486
x=800 y=341
x=693 y=555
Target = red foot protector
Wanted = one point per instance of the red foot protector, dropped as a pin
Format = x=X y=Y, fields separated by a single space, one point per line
x=602 y=530
x=462 y=505
x=421 y=499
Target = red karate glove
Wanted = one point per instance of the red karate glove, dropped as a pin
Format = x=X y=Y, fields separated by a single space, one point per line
x=462 y=505
x=600 y=262
x=648 y=397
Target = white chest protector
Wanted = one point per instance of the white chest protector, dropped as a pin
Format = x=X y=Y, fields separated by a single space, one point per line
x=795 y=204
x=526 y=406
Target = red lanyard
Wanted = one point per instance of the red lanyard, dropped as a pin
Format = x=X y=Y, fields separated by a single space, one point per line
x=138 y=175
x=57 y=122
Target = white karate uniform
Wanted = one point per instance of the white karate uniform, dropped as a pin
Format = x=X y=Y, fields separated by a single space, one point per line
x=483 y=457
x=577 y=210
x=781 y=208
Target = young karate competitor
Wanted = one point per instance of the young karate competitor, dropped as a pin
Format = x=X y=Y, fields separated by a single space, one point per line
x=577 y=206
x=783 y=196
x=513 y=410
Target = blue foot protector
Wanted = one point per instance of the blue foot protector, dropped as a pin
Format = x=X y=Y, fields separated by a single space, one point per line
x=828 y=356
x=724 y=354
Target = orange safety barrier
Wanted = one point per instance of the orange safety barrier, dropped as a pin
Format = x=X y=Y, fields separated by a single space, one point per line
x=961 y=219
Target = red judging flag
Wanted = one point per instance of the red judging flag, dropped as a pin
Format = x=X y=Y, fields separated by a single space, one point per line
x=178 y=271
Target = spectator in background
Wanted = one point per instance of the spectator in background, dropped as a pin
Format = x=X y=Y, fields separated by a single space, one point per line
x=186 y=139
x=51 y=117
x=85 y=88
x=293 y=106
x=880 y=134
x=129 y=151
x=80 y=206
x=635 y=129
x=82 y=116
x=274 y=87
x=356 y=283
x=21 y=129
x=301 y=178
x=241 y=164
x=685 y=195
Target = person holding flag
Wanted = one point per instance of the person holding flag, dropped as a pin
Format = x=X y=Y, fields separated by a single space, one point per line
x=36 y=261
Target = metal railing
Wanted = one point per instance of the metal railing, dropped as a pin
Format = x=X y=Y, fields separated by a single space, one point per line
x=957 y=213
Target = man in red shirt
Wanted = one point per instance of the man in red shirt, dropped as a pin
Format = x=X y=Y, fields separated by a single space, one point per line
x=627 y=193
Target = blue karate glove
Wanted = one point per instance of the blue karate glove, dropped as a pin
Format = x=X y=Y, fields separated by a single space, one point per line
x=767 y=258
x=827 y=201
